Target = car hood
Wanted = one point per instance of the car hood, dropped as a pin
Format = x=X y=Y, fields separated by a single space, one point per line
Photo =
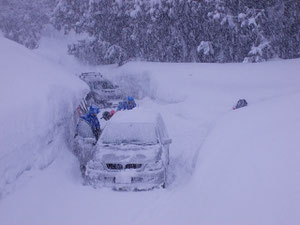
x=127 y=153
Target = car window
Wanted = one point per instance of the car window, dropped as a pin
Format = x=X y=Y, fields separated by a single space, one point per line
x=132 y=133
x=103 y=85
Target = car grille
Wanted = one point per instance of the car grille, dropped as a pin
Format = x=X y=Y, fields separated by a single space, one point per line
x=133 y=166
x=114 y=166
x=136 y=179
x=118 y=166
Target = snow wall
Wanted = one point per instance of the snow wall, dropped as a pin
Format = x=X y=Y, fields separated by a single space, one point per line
x=37 y=100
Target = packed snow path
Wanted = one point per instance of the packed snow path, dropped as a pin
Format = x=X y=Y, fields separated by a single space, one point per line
x=227 y=167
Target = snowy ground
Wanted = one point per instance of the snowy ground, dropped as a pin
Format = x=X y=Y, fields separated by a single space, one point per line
x=227 y=167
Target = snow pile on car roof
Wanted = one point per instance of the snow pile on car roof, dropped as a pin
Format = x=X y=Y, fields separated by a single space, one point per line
x=136 y=115
x=132 y=126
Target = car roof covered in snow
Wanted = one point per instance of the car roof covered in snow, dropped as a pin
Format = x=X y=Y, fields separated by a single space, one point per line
x=135 y=115
x=132 y=126
x=92 y=77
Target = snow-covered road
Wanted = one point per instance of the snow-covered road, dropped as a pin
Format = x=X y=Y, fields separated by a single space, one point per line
x=226 y=167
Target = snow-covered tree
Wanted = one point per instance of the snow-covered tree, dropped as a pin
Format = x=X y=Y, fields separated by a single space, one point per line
x=252 y=22
x=181 y=30
x=22 y=21
x=69 y=15
x=283 y=28
x=115 y=54
x=90 y=50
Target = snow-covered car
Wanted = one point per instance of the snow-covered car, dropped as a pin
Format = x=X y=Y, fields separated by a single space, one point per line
x=132 y=152
x=103 y=92
x=84 y=143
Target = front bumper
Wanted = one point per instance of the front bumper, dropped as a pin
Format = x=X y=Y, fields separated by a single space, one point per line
x=127 y=179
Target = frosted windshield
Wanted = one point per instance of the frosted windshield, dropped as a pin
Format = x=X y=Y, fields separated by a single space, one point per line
x=134 y=133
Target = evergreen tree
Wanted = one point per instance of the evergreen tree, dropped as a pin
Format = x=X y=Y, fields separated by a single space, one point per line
x=23 y=21
x=70 y=15
x=181 y=30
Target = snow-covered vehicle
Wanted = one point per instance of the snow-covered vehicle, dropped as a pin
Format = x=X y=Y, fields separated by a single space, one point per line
x=84 y=143
x=103 y=92
x=132 y=153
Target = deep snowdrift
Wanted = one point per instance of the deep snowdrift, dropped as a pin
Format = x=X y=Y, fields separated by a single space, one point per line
x=250 y=161
x=37 y=98
x=226 y=167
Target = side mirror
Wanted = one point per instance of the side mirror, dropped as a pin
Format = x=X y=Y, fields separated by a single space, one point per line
x=167 y=141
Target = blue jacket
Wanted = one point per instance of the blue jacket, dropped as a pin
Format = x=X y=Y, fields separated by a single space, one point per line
x=93 y=121
x=126 y=105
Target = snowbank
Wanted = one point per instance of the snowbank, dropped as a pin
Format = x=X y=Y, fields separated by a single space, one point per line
x=226 y=167
x=248 y=168
x=37 y=99
x=212 y=87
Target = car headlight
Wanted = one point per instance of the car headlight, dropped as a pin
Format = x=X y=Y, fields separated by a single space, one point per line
x=95 y=165
x=154 y=165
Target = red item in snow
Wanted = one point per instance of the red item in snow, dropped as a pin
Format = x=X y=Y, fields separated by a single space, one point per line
x=112 y=112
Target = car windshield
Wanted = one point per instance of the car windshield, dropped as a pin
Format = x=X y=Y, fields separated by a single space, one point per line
x=130 y=133
x=103 y=85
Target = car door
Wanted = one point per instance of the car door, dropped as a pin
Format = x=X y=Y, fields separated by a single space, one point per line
x=84 y=144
